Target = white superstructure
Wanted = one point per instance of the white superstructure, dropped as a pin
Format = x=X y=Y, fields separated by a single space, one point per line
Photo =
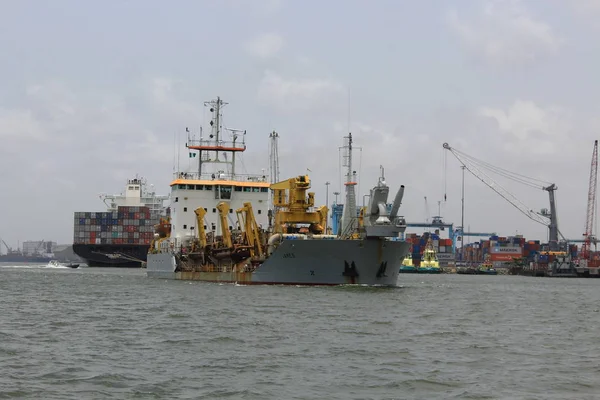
x=38 y=248
x=215 y=180
x=136 y=194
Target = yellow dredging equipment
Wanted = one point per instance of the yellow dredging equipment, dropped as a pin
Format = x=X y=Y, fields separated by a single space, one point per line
x=292 y=206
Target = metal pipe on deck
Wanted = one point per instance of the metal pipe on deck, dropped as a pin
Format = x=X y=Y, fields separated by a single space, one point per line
x=397 y=202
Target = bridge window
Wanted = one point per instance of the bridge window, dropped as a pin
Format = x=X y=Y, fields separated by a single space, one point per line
x=238 y=188
x=184 y=209
x=260 y=211
x=225 y=192
x=184 y=226
x=264 y=190
x=214 y=210
x=199 y=187
x=176 y=199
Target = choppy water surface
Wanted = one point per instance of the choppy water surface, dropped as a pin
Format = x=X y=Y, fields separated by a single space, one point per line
x=113 y=333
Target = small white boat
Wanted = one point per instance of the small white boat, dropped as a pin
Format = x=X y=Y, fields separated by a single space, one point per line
x=57 y=264
x=54 y=264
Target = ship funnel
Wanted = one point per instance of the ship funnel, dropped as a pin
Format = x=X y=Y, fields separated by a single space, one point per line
x=397 y=202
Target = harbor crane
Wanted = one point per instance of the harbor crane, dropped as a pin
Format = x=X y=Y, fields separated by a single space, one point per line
x=545 y=217
x=588 y=236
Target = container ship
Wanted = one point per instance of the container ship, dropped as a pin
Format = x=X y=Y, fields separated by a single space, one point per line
x=286 y=244
x=120 y=236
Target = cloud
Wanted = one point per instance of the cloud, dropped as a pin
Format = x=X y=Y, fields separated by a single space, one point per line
x=292 y=95
x=74 y=141
x=265 y=45
x=527 y=127
x=18 y=126
x=586 y=5
x=505 y=33
x=586 y=10
x=261 y=8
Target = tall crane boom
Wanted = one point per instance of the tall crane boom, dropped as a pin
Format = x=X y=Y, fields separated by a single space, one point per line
x=545 y=217
x=591 y=205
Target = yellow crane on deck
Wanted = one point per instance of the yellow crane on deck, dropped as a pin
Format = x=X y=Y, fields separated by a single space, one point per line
x=292 y=202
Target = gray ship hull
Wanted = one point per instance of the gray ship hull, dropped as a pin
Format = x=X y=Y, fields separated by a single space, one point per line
x=372 y=262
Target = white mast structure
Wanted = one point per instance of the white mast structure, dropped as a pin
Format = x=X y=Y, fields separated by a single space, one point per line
x=274 y=157
x=349 y=216
x=273 y=168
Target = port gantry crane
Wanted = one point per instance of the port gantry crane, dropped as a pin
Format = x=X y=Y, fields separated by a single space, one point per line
x=544 y=217
x=588 y=236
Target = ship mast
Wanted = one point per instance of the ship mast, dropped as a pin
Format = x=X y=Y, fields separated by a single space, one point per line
x=349 y=216
x=216 y=144
x=273 y=169
x=274 y=157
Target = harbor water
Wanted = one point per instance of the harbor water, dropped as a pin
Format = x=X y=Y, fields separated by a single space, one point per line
x=106 y=333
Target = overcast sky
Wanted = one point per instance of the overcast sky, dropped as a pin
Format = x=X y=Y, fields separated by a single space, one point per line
x=92 y=93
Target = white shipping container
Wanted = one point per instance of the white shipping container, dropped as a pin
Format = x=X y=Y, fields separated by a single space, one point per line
x=442 y=249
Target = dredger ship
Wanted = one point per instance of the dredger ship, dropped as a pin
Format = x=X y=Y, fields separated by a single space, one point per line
x=202 y=241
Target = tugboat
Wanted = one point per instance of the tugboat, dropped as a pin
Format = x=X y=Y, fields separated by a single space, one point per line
x=486 y=268
x=408 y=266
x=429 y=261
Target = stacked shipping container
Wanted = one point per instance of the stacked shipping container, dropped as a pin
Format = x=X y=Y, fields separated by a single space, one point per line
x=127 y=225
x=501 y=251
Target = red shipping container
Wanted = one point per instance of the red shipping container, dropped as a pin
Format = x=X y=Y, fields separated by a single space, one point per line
x=503 y=257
